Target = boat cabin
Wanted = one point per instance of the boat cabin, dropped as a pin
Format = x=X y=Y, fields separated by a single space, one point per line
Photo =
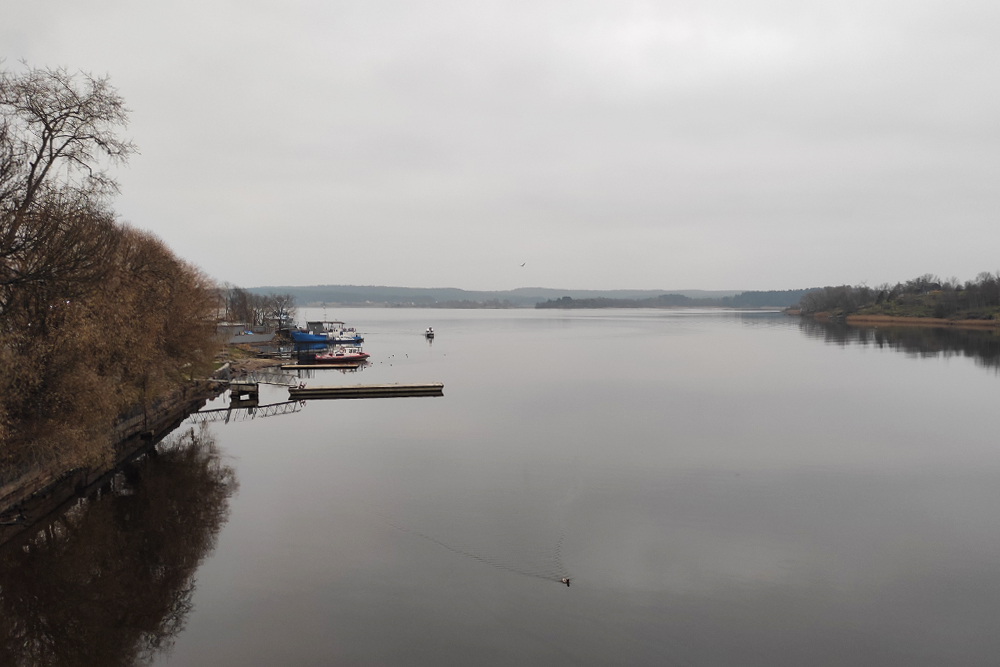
x=324 y=326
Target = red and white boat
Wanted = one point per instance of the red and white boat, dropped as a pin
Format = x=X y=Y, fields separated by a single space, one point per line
x=342 y=354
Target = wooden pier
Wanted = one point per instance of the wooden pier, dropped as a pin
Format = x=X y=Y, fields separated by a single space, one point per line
x=237 y=390
x=367 y=391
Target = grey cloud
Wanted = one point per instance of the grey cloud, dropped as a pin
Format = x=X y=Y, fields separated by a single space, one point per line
x=637 y=144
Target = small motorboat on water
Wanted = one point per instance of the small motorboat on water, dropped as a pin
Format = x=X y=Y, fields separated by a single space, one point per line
x=342 y=354
x=429 y=333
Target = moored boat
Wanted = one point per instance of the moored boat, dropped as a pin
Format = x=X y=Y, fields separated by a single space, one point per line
x=430 y=332
x=342 y=337
x=300 y=336
x=327 y=331
x=342 y=354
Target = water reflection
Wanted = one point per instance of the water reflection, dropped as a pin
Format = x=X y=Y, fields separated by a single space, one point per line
x=110 y=582
x=981 y=345
x=305 y=373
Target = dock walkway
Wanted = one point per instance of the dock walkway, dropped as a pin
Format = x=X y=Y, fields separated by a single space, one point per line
x=367 y=391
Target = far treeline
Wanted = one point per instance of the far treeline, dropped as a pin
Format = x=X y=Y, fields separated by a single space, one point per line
x=926 y=296
x=96 y=317
x=367 y=296
x=758 y=299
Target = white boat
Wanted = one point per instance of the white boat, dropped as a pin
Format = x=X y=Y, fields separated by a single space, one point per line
x=430 y=332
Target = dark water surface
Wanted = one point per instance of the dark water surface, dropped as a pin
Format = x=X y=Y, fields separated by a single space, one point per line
x=720 y=489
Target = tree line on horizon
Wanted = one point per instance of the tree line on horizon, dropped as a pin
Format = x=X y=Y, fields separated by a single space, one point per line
x=96 y=317
x=749 y=299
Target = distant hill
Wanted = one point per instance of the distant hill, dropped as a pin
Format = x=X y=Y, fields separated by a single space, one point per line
x=429 y=297
x=769 y=299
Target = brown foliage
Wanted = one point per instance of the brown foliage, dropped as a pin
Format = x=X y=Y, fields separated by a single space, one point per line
x=95 y=317
x=72 y=364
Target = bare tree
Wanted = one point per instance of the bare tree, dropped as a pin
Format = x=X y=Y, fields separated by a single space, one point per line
x=281 y=308
x=57 y=131
x=59 y=126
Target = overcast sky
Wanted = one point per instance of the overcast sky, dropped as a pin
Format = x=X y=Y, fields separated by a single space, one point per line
x=716 y=144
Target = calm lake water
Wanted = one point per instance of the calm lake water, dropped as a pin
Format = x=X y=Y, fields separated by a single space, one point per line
x=720 y=489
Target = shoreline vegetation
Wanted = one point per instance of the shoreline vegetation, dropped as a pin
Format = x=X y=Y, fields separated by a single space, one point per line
x=100 y=323
x=924 y=301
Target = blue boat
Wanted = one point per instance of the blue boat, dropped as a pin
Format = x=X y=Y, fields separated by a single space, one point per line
x=306 y=337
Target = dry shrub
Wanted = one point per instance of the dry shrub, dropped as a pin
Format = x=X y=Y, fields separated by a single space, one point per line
x=71 y=365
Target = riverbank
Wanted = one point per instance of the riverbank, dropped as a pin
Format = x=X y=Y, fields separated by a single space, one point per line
x=42 y=491
x=39 y=492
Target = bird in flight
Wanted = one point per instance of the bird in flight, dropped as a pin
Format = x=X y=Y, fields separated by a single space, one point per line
x=523 y=263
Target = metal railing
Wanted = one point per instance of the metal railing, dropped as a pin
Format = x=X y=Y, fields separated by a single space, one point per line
x=228 y=415
x=267 y=377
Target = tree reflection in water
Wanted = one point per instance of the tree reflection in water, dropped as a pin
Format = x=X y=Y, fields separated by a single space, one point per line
x=110 y=582
x=981 y=345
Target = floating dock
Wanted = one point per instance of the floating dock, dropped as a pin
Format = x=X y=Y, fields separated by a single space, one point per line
x=367 y=391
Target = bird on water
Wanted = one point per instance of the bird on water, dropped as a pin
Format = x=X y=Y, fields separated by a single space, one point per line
x=564 y=580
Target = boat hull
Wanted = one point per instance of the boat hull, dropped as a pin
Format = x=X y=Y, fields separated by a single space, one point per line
x=306 y=337
x=341 y=358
